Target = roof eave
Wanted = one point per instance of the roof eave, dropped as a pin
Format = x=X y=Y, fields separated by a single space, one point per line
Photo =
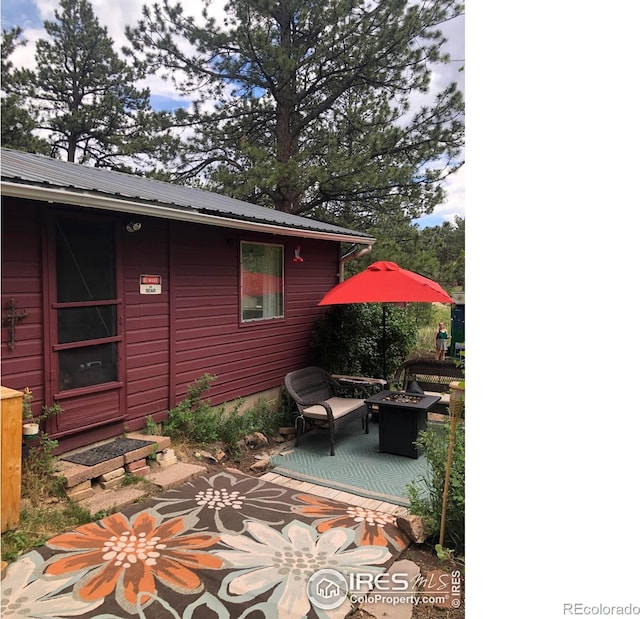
x=91 y=200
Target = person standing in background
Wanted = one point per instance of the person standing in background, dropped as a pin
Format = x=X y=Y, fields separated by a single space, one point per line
x=441 y=341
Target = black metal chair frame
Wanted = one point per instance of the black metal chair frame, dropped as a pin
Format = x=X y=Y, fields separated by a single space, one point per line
x=312 y=386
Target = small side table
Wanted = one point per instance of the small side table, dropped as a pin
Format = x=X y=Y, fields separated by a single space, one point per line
x=401 y=416
x=361 y=383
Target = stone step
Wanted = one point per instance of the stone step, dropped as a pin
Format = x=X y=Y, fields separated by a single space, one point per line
x=163 y=478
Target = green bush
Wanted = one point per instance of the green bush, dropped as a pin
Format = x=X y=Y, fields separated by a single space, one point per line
x=425 y=493
x=151 y=427
x=288 y=409
x=348 y=339
x=261 y=418
x=193 y=418
x=196 y=419
x=39 y=479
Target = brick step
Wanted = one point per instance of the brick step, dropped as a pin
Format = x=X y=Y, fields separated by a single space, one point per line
x=160 y=479
x=131 y=462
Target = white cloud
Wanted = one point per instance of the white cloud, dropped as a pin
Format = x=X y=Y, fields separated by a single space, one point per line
x=454 y=203
x=24 y=55
x=46 y=9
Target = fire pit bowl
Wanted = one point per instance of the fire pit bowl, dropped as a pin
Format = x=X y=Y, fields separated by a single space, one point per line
x=403 y=398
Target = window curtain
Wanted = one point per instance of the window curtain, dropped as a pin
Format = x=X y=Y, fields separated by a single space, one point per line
x=262 y=282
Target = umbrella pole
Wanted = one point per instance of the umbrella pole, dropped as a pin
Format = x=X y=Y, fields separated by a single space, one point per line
x=384 y=341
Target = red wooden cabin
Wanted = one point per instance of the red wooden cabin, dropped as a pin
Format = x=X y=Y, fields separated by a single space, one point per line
x=119 y=291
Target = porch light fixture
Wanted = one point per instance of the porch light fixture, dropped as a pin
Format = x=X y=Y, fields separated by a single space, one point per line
x=133 y=226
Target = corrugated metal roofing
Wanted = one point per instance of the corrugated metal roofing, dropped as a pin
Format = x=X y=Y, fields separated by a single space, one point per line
x=39 y=171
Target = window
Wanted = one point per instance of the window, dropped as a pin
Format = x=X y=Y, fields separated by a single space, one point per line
x=261 y=281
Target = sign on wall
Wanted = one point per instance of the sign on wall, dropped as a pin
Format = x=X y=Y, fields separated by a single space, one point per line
x=150 y=284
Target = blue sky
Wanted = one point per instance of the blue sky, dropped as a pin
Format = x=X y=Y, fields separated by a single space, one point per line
x=20 y=12
x=115 y=14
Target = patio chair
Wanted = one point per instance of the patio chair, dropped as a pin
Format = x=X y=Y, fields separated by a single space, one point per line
x=432 y=375
x=317 y=397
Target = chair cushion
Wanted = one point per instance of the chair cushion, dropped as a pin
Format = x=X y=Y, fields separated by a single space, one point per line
x=339 y=406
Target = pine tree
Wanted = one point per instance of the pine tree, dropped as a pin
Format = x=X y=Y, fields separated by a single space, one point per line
x=17 y=124
x=82 y=94
x=304 y=105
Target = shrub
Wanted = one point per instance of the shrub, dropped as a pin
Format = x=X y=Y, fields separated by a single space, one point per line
x=348 y=339
x=196 y=419
x=193 y=419
x=39 y=479
x=151 y=427
x=261 y=418
x=425 y=493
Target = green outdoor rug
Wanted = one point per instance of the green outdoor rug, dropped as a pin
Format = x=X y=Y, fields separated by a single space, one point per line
x=358 y=467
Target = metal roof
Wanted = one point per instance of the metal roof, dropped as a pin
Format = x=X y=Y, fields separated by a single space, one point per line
x=43 y=178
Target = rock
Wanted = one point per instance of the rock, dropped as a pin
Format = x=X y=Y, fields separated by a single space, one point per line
x=256 y=439
x=278 y=439
x=408 y=572
x=260 y=465
x=166 y=457
x=109 y=475
x=414 y=527
x=79 y=495
x=219 y=455
x=287 y=431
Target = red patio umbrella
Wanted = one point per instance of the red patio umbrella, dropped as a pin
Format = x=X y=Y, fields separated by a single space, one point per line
x=255 y=284
x=385 y=282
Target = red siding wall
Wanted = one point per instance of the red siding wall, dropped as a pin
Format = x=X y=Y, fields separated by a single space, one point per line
x=209 y=337
x=192 y=327
x=146 y=321
x=22 y=281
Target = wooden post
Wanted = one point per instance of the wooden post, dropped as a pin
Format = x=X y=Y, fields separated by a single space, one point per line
x=11 y=456
x=456 y=404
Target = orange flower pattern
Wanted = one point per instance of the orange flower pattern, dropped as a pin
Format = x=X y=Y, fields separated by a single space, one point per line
x=128 y=556
x=373 y=528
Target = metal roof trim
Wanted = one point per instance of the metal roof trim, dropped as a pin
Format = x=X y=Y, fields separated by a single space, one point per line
x=53 y=180
x=174 y=212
